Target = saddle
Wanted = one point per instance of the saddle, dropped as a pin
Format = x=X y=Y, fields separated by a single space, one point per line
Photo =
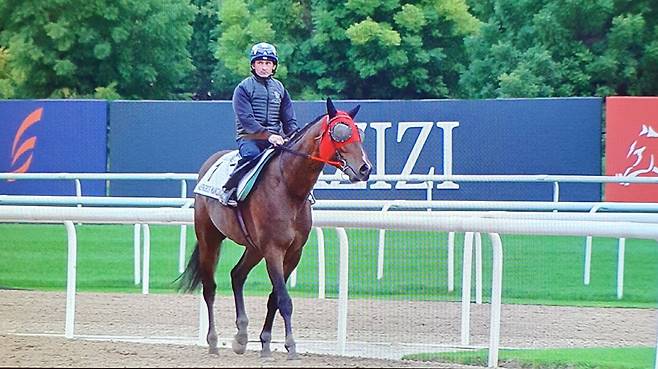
x=224 y=169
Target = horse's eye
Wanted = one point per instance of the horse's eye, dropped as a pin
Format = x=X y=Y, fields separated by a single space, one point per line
x=341 y=132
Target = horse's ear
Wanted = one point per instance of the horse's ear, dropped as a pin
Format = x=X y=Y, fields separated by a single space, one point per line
x=331 y=109
x=352 y=113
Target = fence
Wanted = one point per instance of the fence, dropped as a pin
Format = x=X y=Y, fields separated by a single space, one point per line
x=492 y=224
x=624 y=225
x=383 y=205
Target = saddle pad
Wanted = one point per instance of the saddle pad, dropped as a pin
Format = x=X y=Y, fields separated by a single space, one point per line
x=212 y=182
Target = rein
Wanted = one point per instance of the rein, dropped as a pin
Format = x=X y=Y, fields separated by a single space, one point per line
x=337 y=164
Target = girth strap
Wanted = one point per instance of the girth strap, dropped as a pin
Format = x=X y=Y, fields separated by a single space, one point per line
x=238 y=214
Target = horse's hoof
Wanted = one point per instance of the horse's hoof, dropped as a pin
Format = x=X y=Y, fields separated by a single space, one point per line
x=238 y=348
x=293 y=356
x=240 y=343
x=267 y=358
x=213 y=350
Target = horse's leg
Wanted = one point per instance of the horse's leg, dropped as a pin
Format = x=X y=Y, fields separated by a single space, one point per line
x=279 y=270
x=239 y=274
x=289 y=265
x=210 y=240
x=266 y=333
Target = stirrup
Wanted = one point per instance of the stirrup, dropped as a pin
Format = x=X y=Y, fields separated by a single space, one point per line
x=226 y=198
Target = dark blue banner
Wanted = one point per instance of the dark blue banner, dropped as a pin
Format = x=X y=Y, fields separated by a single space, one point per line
x=165 y=136
x=511 y=136
x=53 y=136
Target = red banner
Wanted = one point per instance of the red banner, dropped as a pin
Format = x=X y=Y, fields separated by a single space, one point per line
x=631 y=147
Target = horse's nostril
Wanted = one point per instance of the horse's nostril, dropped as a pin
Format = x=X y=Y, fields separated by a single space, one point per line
x=365 y=169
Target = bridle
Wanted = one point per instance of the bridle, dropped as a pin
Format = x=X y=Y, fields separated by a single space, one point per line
x=337 y=132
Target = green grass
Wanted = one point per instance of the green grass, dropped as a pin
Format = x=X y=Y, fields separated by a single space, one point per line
x=537 y=270
x=599 y=358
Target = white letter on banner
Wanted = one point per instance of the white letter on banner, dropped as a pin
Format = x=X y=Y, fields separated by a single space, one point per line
x=335 y=184
x=380 y=128
x=425 y=129
x=447 y=128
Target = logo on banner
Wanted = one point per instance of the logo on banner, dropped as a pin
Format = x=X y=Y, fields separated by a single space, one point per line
x=419 y=143
x=23 y=145
x=642 y=154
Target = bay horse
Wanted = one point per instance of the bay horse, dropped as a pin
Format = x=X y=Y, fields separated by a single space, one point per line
x=276 y=221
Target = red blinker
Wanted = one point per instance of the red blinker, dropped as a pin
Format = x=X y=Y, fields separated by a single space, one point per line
x=328 y=146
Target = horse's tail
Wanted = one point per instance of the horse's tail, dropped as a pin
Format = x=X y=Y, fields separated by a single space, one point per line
x=191 y=278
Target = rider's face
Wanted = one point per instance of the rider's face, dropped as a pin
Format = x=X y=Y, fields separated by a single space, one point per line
x=263 y=68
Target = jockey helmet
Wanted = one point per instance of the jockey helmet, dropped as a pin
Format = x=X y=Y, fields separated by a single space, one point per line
x=263 y=51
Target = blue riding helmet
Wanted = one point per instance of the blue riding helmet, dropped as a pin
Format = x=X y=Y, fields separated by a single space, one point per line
x=263 y=51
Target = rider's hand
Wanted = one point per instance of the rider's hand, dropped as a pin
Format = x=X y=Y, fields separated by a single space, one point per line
x=275 y=140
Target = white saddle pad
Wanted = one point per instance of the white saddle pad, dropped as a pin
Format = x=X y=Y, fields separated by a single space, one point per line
x=212 y=182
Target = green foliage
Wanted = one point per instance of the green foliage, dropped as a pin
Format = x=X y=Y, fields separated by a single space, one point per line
x=577 y=358
x=562 y=48
x=358 y=49
x=70 y=48
x=108 y=92
x=238 y=30
x=245 y=23
x=353 y=49
x=6 y=84
x=202 y=48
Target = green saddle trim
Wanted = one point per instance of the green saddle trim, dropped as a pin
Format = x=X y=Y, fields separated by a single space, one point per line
x=249 y=185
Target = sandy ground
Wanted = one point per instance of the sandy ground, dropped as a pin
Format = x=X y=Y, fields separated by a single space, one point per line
x=379 y=332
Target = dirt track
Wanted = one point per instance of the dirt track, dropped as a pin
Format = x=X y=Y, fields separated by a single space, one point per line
x=371 y=324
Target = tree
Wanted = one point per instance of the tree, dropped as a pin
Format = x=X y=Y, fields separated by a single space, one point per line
x=533 y=48
x=244 y=23
x=353 y=49
x=6 y=85
x=384 y=49
x=202 y=48
x=74 y=48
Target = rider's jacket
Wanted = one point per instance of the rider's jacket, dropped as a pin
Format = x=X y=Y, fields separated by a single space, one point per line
x=263 y=104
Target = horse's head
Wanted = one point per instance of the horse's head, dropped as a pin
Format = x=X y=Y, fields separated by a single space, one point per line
x=342 y=141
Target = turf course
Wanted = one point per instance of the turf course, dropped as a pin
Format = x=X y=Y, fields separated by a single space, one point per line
x=538 y=270
x=604 y=358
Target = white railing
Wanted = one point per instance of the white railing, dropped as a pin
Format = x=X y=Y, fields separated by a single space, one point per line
x=429 y=179
x=589 y=224
x=382 y=205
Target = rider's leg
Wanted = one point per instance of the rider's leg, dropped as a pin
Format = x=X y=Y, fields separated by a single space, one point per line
x=249 y=149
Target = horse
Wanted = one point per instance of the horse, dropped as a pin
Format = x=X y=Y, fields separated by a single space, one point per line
x=273 y=222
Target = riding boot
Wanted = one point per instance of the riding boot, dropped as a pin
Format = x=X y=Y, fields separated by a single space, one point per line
x=228 y=197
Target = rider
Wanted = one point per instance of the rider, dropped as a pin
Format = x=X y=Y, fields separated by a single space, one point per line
x=264 y=114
